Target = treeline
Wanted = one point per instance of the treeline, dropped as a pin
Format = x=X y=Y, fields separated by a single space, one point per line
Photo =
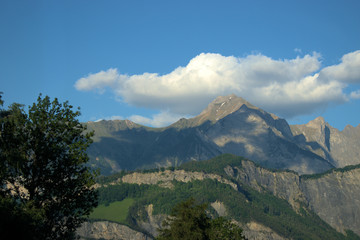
x=334 y=170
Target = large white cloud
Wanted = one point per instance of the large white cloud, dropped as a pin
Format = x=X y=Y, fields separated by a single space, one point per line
x=347 y=71
x=287 y=87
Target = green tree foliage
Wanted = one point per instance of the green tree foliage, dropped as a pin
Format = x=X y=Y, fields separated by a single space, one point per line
x=224 y=229
x=43 y=167
x=19 y=221
x=189 y=221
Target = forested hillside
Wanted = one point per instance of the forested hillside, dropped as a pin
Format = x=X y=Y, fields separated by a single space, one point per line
x=210 y=182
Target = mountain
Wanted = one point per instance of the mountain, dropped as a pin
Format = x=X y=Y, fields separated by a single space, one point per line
x=229 y=124
x=267 y=204
x=341 y=148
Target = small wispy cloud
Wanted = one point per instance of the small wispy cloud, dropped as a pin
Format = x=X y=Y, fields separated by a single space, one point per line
x=355 y=94
x=157 y=120
x=297 y=50
x=161 y=119
x=287 y=87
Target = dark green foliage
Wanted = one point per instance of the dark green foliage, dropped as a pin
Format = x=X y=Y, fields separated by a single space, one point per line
x=214 y=165
x=224 y=229
x=244 y=205
x=121 y=191
x=217 y=164
x=189 y=221
x=319 y=175
x=108 y=179
x=19 y=221
x=43 y=161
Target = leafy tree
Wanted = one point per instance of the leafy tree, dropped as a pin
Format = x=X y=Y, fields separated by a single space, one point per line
x=43 y=165
x=224 y=229
x=189 y=221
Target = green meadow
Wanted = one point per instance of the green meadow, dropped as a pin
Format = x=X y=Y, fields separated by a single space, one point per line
x=115 y=211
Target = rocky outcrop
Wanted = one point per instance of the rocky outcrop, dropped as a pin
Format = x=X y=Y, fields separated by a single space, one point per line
x=220 y=208
x=109 y=230
x=265 y=139
x=164 y=178
x=334 y=196
x=152 y=222
x=341 y=148
x=285 y=185
x=256 y=231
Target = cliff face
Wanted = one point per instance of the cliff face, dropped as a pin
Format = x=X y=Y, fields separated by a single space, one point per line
x=265 y=139
x=334 y=197
x=341 y=148
x=285 y=185
x=165 y=178
x=256 y=231
x=109 y=230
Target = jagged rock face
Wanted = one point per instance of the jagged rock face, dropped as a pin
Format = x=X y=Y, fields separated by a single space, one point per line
x=256 y=231
x=285 y=185
x=153 y=222
x=334 y=197
x=261 y=137
x=109 y=230
x=166 y=177
x=341 y=148
x=228 y=125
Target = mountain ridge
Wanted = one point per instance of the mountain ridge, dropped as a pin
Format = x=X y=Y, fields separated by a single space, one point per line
x=229 y=124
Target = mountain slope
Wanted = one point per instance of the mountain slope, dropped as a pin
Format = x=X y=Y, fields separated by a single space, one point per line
x=229 y=124
x=341 y=148
x=281 y=202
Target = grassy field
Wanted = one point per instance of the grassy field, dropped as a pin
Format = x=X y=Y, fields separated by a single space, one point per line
x=115 y=211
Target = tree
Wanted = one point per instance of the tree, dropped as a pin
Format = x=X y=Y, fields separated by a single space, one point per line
x=189 y=221
x=43 y=165
x=224 y=229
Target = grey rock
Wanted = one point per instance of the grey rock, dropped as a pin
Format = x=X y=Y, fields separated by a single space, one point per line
x=334 y=196
x=109 y=230
x=341 y=148
x=229 y=124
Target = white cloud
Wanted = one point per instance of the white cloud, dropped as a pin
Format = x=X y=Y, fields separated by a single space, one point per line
x=98 y=80
x=355 y=94
x=157 y=120
x=162 y=119
x=287 y=87
x=347 y=71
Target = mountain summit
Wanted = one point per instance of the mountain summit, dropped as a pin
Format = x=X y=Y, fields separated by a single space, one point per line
x=219 y=108
x=229 y=124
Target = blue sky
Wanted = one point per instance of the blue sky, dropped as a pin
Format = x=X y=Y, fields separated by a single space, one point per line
x=156 y=61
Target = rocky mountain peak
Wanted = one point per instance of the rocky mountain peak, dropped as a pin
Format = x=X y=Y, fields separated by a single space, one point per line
x=221 y=107
x=317 y=122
